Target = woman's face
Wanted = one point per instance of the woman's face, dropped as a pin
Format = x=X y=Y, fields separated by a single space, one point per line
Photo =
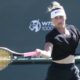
x=58 y=21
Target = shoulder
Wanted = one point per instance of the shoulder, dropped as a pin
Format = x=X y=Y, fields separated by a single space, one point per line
x=50 y=36
x=52 y=33
x=72 y=27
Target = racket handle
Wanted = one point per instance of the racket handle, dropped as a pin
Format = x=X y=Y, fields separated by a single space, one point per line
x=18 y=54
x=31 y=54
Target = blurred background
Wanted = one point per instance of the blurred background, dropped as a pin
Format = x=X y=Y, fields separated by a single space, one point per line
x=23 y=26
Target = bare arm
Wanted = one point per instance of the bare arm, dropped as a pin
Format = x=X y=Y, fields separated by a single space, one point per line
x=46 y=53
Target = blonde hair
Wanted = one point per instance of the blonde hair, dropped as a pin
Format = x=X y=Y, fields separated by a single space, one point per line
x=54 y=5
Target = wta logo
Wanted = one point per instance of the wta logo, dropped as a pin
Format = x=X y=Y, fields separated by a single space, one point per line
x=37 y=25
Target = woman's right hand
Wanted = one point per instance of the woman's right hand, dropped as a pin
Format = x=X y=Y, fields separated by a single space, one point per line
x=38 y=52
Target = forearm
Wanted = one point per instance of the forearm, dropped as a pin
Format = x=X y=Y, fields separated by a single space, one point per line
x=46 y=53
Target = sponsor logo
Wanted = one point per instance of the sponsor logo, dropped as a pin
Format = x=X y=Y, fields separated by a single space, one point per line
x=37 y=25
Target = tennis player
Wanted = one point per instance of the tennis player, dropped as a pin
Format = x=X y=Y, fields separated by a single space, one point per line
x=61 y=44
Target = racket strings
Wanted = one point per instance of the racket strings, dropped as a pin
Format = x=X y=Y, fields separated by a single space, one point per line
x=5 y=58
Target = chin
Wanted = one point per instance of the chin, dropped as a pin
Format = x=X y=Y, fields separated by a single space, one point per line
x=60 y=26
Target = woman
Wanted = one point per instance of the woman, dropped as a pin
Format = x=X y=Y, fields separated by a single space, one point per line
x=60 y=44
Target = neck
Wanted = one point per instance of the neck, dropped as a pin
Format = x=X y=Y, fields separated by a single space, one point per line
x=61 y=29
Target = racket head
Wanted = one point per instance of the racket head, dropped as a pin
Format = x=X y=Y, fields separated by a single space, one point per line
x=5 y=58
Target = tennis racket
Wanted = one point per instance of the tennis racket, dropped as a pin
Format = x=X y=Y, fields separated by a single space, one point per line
x=7 y=56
